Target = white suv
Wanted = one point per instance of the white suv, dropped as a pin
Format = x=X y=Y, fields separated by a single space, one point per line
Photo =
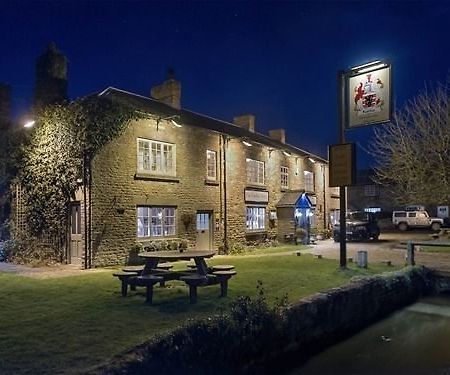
x=415 y=219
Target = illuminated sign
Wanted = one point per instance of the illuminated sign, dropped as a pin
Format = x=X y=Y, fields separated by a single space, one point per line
x=369 y=95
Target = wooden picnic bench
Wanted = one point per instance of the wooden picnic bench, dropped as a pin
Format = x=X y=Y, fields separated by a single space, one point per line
x=197 y=275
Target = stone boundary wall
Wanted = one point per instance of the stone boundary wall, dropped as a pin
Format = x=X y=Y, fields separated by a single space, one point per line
x=303 y=329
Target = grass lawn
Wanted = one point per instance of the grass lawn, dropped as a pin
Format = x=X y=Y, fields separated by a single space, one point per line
x=65 y=325
x=435 y=249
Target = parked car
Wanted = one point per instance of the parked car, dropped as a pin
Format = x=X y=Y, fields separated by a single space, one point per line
x=415 y=219
x=360 y=226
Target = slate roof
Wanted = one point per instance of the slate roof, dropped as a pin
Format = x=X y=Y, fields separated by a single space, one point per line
x=150 y=105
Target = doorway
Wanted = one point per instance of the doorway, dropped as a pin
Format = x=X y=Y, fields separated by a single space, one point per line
x=204 y=230
x=76 y=245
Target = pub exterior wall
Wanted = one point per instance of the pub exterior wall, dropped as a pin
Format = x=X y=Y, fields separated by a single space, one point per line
x=117 y=188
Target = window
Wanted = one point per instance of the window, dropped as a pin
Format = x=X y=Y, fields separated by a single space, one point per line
x=155 y=221
x=309 y=180
x=371 y=191
x=255 y=172
x=255 y=218
x=211 y=166
x=284 y=177
x=156 y=157
x=76 y=218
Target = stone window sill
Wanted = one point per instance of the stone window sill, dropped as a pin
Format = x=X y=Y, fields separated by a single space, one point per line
x=151 y=177
x=212 y=182
x=257 y=187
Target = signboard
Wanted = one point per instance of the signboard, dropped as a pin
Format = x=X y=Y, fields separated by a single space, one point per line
x=256 y=196
x=368 y=95
x=342 y=164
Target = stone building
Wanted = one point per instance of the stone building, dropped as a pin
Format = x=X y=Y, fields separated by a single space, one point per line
x=179 y=176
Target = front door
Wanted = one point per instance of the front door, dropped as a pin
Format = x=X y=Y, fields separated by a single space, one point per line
x=204 y=231
x=76 y=246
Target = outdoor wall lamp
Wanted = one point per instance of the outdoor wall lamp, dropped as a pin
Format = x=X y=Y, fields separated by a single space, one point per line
x=247 y=143
x=311 y=160
x=174 y=119
x=29 y=124
x=270 y=151
x=285 y=153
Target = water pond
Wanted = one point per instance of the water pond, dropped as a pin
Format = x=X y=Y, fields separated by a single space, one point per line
x=415 y=340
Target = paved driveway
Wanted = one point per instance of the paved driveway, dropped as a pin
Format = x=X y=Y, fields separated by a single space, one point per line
x=387 y=248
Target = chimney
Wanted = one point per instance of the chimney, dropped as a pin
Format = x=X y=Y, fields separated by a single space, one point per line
x=278 y=134
x=5 y=106
x=169 y=91
x=246 y=122
x=51 y=77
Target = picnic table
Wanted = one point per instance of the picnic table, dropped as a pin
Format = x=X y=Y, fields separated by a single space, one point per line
x=200 y=275
x=152 y=258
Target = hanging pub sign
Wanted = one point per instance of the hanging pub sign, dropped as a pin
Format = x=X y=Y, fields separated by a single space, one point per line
x=342 y=169
x=368 y=94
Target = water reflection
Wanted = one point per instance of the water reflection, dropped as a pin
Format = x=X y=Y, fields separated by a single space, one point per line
x=415 y=340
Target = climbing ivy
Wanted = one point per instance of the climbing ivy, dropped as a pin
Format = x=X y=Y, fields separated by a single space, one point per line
x=52 y=160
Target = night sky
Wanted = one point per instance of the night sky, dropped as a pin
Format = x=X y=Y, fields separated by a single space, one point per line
x=277 y=60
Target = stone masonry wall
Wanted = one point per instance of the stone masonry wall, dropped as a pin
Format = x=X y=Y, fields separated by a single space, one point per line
x=117 y=192
x=117 y=188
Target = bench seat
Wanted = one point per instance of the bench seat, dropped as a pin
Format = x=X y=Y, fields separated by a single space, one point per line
x=194 y=280
x=126 y=279
x=222 y=267
x=149 y=281
x=223 y=277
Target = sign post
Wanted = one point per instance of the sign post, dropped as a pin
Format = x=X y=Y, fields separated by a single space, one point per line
x=364 y=98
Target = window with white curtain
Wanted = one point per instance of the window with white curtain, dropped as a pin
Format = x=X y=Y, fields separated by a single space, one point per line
x=255 y=218
x=255 y=172
x=156 y=221
x=156 y=158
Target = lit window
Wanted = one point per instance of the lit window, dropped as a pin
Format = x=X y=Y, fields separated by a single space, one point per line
x=211 y=166
x=255 y=218
x=255 y=172
x=284 y=177
x=157 y=158
x=309 y=180
x=155 y=221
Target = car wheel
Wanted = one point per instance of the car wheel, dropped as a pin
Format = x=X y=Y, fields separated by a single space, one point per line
x=403 y=226
x=435 y=226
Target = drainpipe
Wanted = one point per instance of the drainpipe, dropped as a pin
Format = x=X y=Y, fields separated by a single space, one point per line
x=324 y=198
x=85 y=213
x=90 y=213
x=225 y=217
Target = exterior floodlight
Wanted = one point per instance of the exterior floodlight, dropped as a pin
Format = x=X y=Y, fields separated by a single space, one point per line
x=247 y=143
x=365 y=65
x=29 y=124
x=175 y=123
x=372 y=67
x=311 y=160
x=286 y=153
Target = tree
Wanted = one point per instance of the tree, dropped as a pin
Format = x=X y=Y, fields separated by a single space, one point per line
x=413 y=151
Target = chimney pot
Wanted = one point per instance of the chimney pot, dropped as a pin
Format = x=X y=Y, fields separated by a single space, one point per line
x=278 y=134
x=169 y=91
x=246 y=122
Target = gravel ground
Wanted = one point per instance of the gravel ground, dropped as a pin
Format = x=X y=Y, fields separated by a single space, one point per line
x=389 y=247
